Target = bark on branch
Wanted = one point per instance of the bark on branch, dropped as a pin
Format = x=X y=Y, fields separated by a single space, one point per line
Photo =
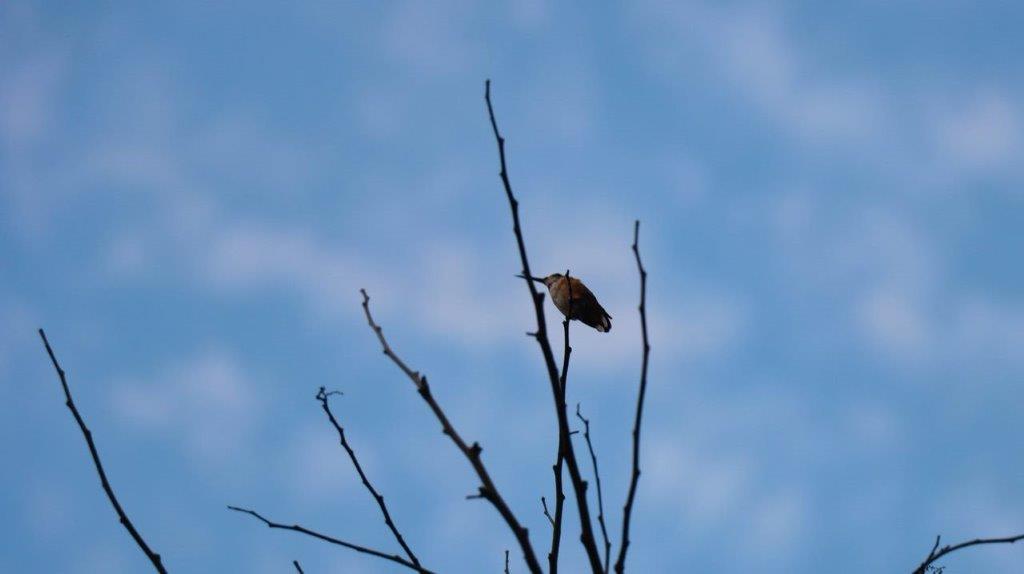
x=627 y=511
x=358 y=548
x=154 y=558
x=937 y=552
x=597 y=481
x=541 y=335
x=323 y=396
x=487 y=490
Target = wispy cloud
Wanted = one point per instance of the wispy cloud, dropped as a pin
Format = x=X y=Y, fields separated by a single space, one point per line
x=207 y=400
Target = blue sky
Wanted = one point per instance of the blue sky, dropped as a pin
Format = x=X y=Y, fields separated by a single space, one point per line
x=191 y=195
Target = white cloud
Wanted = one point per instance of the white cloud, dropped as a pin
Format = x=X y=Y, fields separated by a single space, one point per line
x=28 y=93
x=873 y=427
x=34 y=67
x=894 y=322
x=254 y=256
x=981 y=133
x=750 y=49
x=708 y=489
x=431 y=40
x=207 y=400
x=777 y=523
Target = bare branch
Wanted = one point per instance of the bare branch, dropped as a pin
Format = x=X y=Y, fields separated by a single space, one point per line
x=937 y=552
x=303 y=530
x=597 y=479
x=323 y=397
x=556 y=522
x=125 y=521
x=487 y=489
x=627 y=511
x=579 y=485
x=506 y=562
x=297 y=566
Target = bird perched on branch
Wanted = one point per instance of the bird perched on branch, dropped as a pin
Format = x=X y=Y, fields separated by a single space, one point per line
x=584 y=306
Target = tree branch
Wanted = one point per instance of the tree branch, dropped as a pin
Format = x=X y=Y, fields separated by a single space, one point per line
x=506 y=562
x=597 y=479
x=487 y=488
x=323 y=397
x=556 y=522
x=579 y=485
x=125 y=521
x=627 y=511
x=937 y=552
x=297 y=566
x=303 y=530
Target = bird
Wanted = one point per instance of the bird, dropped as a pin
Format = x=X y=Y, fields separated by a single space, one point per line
x=584 y=306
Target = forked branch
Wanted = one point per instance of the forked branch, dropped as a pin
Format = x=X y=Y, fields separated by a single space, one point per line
x=937 y=552
x=358 y=548
x=541 y=335
x=323 y=396
x=154 y=558
x=487 y=489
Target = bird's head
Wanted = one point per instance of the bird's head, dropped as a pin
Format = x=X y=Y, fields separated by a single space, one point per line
x=547 y=281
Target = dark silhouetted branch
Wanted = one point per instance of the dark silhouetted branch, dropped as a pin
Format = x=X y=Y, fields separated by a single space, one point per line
x=541 y=335
x=125 y=521
x=303 y=530
x=627 y=511
x=556 y=522
x=323 y=396
x=506 y=562
x=937 y=552
x=297 y=566
x=487 y=488
x=597 y=479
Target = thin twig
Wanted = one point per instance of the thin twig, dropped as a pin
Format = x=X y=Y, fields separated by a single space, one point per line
x=125 y=521
x=506 y=562
x=323 y=397
x=544 y=504
x=297 y=567
x=541 y=335
x=937 y=552
x=487 y=489
x=627 y=511
x=303 y=530
x=597 y=479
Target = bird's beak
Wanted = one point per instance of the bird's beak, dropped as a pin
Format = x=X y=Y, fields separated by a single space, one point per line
x=537 y=279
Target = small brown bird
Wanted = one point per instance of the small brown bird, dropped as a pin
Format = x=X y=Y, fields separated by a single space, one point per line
x=584 y=305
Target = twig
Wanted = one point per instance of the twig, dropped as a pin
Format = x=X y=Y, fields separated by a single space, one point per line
x=303 y=530
x=487 y=489
x=937 y=552
x=544 y=503
x=627 y=511
x=323 y=396
x=541 y=335
x=297 y=567
x=506 y=562
x=597 y=479
x=125 y=521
